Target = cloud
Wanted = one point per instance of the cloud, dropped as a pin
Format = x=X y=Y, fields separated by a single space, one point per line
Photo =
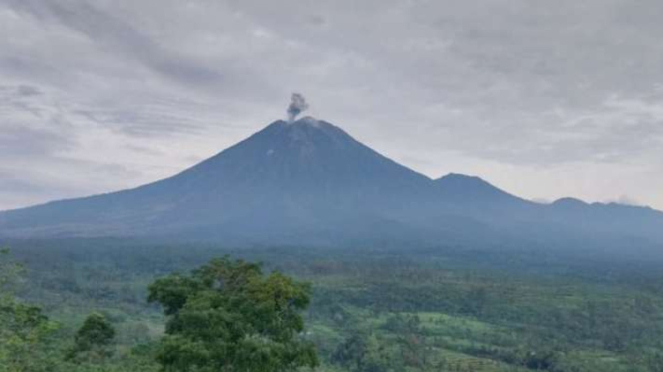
x=140 y=122
x=625 y=200
x=30 y=127
x=17 y=141
x=28 y=90
x=514 y=90
x=118 y=36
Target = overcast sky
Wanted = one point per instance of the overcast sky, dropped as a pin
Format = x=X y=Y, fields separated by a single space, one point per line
x=544 y=99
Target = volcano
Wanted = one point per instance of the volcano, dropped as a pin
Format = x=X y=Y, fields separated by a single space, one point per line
x=301 y=178
x=309 y=182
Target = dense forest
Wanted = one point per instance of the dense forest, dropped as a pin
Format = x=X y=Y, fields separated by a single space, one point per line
x=82 y=305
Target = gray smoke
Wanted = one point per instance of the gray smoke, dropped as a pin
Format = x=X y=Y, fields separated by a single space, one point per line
x=297 y=105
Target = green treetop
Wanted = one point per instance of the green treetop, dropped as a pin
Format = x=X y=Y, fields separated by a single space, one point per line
x=92 y=340
x=229 y=316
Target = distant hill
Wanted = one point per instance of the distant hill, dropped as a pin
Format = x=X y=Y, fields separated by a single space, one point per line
x=309 y=182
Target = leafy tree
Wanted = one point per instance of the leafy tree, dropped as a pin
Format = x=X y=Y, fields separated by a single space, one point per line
x=24 y=330
x=229 y=316
x=92 y=340
x=351 y=352
x=9 y=273
x=363 y=353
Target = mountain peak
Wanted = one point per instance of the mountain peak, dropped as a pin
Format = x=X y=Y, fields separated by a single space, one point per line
x=307 y=131
x=456 y=182
x=308 y=120
x=569 y=202
x=306 y=179
x=458 y=177
x=473 y=189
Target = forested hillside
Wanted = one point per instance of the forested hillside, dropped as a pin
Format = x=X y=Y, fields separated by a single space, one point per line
x=442 y=309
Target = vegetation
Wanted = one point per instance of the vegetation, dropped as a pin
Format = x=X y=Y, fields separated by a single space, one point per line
x=92 y=341
x=228 y=316
x=411 y=309
x=225 y=316
x=23 y=328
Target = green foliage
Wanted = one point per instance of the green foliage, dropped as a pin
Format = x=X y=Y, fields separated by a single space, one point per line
x=227 y=315
x=364 y=353
x=421 y=310
x=9 y=274
x=24 y=330
x=92 y=340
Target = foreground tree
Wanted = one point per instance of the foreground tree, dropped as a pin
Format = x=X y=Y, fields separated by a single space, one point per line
x=229 y=316
x=93 y=340
x=24 y=330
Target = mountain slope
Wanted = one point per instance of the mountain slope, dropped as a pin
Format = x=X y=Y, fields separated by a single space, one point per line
x=289 y=177
x=309 y=182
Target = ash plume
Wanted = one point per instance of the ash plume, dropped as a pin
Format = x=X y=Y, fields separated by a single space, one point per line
x=297 y=105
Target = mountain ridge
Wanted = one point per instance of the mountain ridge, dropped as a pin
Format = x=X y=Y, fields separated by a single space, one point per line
x=309 y=178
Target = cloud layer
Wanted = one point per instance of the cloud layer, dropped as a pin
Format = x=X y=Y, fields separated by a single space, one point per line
x=544 y=100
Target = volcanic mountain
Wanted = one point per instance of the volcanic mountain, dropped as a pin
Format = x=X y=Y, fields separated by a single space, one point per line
x=309 y=182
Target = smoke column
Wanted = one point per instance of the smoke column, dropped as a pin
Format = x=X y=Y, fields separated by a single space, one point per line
x=297 y=105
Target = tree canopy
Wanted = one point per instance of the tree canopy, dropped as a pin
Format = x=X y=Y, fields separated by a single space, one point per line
x=92 y=340
x=23 y=328
x=229 y=316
